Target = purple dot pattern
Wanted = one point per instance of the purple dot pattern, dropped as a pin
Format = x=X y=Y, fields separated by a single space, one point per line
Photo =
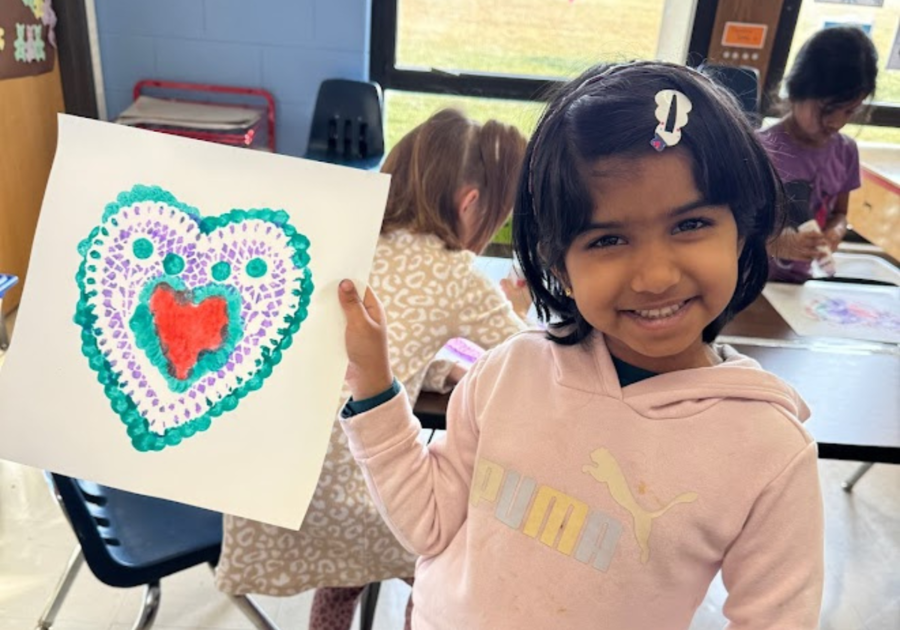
x=267 y=302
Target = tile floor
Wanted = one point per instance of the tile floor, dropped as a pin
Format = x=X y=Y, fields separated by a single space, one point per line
x=862 y=590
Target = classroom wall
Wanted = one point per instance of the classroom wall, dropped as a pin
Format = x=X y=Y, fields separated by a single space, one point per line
x=285 y=46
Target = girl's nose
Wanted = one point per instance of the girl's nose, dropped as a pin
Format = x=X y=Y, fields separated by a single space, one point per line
x=655 y=273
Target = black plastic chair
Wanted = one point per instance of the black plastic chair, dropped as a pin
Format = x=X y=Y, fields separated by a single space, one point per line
x=348 y=125
x=743 y=82
x=131 y=540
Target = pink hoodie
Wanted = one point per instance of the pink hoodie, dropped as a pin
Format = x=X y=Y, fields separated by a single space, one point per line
x=560 y=500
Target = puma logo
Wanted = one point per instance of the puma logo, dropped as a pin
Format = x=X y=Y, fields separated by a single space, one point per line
x=606 y=469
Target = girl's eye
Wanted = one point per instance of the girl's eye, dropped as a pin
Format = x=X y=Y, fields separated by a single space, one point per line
x=691 y=225
x=608 y=240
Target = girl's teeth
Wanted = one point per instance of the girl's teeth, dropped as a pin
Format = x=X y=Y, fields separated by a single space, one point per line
x=658 y=313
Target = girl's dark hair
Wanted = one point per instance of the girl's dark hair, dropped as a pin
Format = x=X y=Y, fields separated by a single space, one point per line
x=836 y=65
x=435 y=160
x=609 y=111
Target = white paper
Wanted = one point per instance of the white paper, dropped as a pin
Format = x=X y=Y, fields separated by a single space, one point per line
x=866 y=267
x=836 y=309
x=260 y=460
x=859 y=3
x=893 y=60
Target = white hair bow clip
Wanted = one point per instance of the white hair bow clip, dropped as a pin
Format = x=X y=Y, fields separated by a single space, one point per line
x=672 y=108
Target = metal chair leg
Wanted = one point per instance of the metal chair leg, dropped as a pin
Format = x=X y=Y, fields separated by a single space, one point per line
x=251 y=609
x=149 y=608
x=253 y=612
x=367 y=606
x=76 y=560
x=862 y=470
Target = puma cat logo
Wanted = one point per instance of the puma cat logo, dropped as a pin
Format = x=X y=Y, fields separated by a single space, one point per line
x=606 y=469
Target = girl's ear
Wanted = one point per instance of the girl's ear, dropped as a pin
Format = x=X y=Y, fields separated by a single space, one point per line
x=468 y=200
x=468 y=215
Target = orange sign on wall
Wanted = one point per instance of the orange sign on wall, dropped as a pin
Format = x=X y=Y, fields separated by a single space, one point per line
x=744 y=35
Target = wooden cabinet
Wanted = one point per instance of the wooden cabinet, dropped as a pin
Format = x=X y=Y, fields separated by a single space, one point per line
x=28 y=108
x=874 y=211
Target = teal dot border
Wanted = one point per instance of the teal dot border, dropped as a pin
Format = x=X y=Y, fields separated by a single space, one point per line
x=142 y=439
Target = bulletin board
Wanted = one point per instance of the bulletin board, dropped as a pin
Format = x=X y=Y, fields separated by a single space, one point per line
x=26 y=38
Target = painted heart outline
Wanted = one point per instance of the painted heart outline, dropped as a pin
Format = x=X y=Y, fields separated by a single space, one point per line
x=148 y=244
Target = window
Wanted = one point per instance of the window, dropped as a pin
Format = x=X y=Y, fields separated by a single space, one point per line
x=516 y=50
x=405 y=110
x=539 y=38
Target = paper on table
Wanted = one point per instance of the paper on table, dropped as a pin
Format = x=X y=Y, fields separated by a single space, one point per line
x=836 y=309
x=260 y=459
x=866 y=267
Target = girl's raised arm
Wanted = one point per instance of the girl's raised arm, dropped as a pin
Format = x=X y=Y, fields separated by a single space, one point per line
x=422 y=492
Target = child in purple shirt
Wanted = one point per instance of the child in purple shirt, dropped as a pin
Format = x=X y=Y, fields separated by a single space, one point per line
x=835 y=71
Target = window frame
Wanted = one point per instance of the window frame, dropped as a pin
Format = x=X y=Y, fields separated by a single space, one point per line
x=383 y=65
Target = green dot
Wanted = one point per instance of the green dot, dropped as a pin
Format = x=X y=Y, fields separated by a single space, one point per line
x=173 y=264
x=221 y=271
x=256 y=268
x=142 y=248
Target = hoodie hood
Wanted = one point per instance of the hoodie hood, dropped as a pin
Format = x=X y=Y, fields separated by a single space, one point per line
x=676 y=395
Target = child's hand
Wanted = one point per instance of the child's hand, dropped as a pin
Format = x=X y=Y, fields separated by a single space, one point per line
x=799 y=245
x=833 y=238
x=369 y=372
x=519 y=296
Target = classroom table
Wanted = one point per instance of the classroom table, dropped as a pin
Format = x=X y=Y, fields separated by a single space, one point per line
x=852 y=387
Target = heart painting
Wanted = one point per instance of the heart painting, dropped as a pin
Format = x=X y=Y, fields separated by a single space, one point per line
x=181 y=315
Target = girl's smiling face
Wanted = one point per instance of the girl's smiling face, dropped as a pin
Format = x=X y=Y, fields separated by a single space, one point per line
x=656 y=264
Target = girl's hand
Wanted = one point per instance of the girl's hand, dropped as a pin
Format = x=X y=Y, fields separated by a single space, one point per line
x=516 y=291
x=835 y=234
x=833 y=238
x=792 y=245
x=369 y=372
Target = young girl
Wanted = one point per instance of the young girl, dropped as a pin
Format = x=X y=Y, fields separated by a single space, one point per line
x=453 y=183
x=835 y=71
x=600 y=475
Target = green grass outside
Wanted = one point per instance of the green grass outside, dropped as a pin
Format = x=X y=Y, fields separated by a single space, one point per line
x=556 y=38
x=552 y=38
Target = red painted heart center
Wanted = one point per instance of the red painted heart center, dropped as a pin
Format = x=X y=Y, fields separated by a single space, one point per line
x=185 y=329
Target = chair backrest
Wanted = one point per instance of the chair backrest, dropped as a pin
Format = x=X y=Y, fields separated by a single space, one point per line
x=347 y=123
x=743 y=82
x=129 y=539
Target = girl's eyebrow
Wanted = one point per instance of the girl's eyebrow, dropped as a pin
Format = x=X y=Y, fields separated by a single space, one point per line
x=688 y=207
x=673 y=213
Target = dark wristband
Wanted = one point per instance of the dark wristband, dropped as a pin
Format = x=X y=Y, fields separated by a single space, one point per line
x=356 y=407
